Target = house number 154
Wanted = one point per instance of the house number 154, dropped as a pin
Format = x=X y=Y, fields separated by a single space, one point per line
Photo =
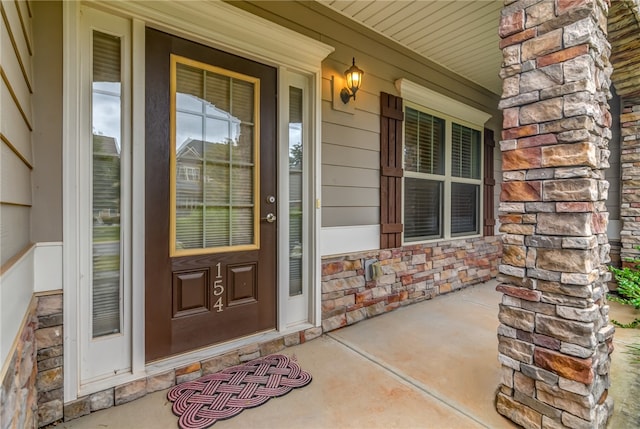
x=218 y=289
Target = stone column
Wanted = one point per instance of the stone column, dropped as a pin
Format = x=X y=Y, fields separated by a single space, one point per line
x=630 y=195
x=554 y=336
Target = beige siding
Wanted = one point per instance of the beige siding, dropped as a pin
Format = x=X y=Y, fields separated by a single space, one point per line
x=46 y=215
x=350 y=142
x=15 y=129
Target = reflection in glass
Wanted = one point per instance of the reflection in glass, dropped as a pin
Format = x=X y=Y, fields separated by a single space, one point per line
x=296 y=151
x=214 y=164
x=106 y=177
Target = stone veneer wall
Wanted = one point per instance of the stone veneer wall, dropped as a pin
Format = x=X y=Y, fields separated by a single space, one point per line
x=407 y=275
x=18 y=400
x=31 y=391
x=630 y=169
x=554 y=338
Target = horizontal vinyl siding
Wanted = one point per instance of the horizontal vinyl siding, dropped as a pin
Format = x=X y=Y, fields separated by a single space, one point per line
x=351 y=140
x=14 y=230
x=16 y=123
x=15 y=178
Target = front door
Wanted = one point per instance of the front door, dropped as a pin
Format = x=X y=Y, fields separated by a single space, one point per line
x=210 y=196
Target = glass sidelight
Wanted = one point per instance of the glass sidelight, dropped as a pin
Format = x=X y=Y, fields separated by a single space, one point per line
x=214 y=162
x=296 y=153
x=106 y=183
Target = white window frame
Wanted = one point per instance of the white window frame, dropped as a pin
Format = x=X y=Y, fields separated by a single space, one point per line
x=451 y=111
x=218 y=25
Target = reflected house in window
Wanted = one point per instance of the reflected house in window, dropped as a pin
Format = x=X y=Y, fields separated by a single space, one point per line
x=214 y=171
x=106 y=181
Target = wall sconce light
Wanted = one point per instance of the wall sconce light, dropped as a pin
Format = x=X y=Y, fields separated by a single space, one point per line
x=354 y=79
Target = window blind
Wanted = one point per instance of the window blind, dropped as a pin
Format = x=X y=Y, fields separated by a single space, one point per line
x=464 y=208
x=106 y=179
x=465 y=152
x=422 y=209
x=296 y=153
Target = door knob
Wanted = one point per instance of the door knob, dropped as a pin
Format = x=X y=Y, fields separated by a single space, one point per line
x=270 y=218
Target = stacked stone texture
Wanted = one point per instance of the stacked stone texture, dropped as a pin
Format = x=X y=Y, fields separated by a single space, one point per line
x=554 y=336
x=630 y=199
x=49 y=339
x=407 y=275
x=18 y=400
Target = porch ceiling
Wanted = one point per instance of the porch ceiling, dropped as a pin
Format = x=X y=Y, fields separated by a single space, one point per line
x=460 y=35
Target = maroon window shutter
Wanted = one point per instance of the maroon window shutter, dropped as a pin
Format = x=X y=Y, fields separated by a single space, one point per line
x=489 y=183
x=391 y=117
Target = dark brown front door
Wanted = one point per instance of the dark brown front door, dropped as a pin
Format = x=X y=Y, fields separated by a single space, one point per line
x=210 y=196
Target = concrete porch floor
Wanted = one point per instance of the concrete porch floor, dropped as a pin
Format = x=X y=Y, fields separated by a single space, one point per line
x=428 y=365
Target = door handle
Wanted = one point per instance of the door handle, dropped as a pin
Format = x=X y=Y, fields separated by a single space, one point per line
x=270 y=218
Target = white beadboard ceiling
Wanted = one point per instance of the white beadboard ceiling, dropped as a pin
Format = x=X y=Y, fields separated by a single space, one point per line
x=461 y=35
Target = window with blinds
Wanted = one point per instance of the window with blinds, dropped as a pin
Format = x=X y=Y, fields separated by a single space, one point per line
x=296 y=153
x=424 y=154
x=441 y=198
x=106 y=103
x=214 y=164
x=465 y=163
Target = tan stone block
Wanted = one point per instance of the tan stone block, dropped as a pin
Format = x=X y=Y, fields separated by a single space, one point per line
x=630 y=117
x=581 y=406
x=516 y=349
x=578 y=69
x=101 y=400
x=312 y=334
x=48 y=337
x=542 y=111
x=521 y=159
x=521 y=191
x=511 y=24
x=49 y=304
x=542 y=78
x=566 y=260
x=517 y=318
x=273 y=346
x=577 y=154
x=161 y=381
x=512 y=228
x=49 y=380
x=511 y=86
x=510 y=118
x=580 y=333
x=571 y=190
x=130 y=391
x=342 y=284
x=518 y=413
x=540 y=12
x=78 y=408
x=514 y=255
x=511 y=55
x=519 y=292
x=541 y=45
x=568 y=224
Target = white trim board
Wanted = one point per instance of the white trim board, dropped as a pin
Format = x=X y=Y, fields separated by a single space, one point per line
x=16 y=290
x=349 y=239
x=47 y=267
x=434 y=100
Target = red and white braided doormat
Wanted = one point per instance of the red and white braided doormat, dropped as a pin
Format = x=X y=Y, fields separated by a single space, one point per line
x=202 y=402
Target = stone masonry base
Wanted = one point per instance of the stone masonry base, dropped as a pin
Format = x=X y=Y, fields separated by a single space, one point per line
x=354 y=287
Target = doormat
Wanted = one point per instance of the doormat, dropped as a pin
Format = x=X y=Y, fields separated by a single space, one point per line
x=202 y=402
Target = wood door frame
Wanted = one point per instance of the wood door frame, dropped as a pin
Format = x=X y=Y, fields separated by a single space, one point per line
x=216 y=24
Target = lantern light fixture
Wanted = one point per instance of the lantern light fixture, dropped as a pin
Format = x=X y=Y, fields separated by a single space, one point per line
x=354 y=79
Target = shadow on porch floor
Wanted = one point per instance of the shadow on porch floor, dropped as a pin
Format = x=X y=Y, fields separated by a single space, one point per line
x=432 y=364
